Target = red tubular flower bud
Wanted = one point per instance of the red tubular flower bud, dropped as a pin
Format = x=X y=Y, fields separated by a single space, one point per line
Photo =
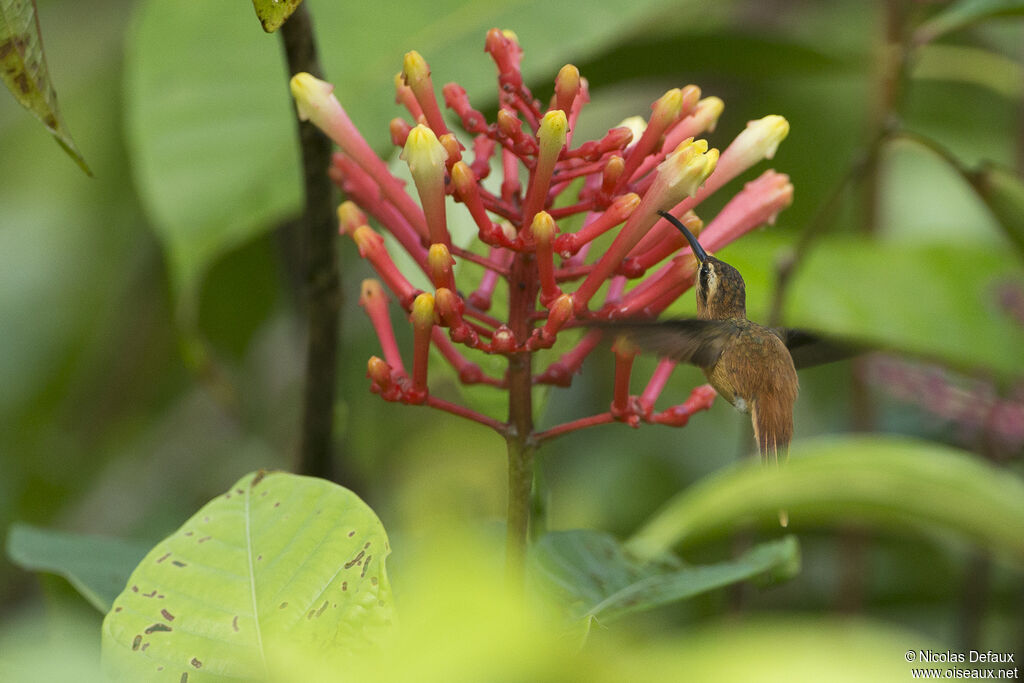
x=611 y=174
x=511 y=128
x=379 y=373
x=458 y=101
x=375 y=302
x=449 y=307
x=510 y=185
x=509 y=124
x=405 y=97
x=506 y=53
x=469 y=373
x=467 y=190
x=483 y=150
x=350 y=217
x=452 y=147
x=399 y=129
x=701 y=398
x=622 y=408
x=503 y=340
x=582 y=98
x=422 y=318
x=567 y=86
x=656 y=385
x=616 y=140
x=439 y=266
x=503 y=46
x=371 y=248
x=560 y=313
x=543 y=231
x=481 y=298
x=417 y=76
x=620 y=210
x=551 y=141
x=426 y=157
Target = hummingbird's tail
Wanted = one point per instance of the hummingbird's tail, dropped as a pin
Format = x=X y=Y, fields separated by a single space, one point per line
x=773 y=431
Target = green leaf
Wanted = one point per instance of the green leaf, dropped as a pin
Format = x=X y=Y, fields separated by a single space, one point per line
x=963 y=13
x=1003 y=192
x=273 y=13
x=210 y=121
x=914 y=298
x=210 y=126
x=24 y=71
x=887 y=481
x=278 y=561
x=591 y=572
x=96 y=566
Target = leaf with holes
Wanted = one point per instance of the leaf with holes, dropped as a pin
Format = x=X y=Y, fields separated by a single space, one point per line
x=23 y=66
x=278 y=561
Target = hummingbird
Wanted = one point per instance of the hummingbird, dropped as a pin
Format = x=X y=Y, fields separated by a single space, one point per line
x=749 y=365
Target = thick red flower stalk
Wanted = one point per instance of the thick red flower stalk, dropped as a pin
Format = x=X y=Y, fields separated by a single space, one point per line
x=536 y=236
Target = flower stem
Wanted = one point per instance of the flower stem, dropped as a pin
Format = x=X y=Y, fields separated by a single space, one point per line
x=323 y=286
x=520 y=483
x=523 y=284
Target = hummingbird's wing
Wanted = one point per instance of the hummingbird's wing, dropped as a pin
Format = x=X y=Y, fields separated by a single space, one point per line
x=809 y=349
x=687 y=340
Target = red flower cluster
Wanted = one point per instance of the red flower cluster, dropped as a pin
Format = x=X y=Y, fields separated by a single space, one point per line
x=616 y=183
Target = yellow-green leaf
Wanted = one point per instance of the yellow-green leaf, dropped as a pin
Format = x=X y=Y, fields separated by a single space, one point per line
x=273 y=13
x=887 y=481
x=279 y=561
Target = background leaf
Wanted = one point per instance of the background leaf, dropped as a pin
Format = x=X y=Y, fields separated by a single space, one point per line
x=591 y=573
x=210 y=119
x=96 y=566
x=1003 y=192
x=963 y=13
x=24 y=70
x=878 y=480
x=278 y=559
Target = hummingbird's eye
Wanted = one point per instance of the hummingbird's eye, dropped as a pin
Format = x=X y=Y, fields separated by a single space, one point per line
x=705 y=271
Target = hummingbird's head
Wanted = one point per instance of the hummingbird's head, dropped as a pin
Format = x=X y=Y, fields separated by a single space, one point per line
x=721 y=292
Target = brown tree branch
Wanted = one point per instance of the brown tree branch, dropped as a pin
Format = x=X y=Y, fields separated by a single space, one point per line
x=322 y=283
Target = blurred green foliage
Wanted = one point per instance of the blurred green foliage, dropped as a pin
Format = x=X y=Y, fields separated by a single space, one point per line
x=182 y=240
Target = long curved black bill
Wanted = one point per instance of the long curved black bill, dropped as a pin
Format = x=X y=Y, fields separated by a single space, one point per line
x=694 y=244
